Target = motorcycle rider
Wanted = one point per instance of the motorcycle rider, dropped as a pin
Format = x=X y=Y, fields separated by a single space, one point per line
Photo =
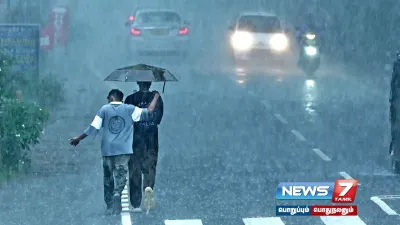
x=307 y=64
x=308 y=24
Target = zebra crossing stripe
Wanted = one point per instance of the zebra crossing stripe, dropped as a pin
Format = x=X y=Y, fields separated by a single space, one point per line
x=327 y=220
x=263 y=221
x=183 y=222
x=342 y=220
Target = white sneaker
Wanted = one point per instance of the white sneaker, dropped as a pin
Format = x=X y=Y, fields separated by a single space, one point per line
x=149 y=202
x=137 y=210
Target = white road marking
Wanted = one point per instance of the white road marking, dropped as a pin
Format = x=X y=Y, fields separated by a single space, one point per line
x=183 y=222
x=383 y=206
x=388 y=196
x=126 y=218
x=381 y=173
x=347 y=176
x=265 y=103
x=321 y=154
x=125 y=214
x=336 y=220
x=263 y=221
x=298 y=135
x=280 y=118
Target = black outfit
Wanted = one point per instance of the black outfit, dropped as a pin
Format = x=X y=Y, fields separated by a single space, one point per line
x=145 y=147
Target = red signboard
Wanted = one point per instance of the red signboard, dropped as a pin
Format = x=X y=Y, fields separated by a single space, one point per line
x=47 y=38
x=59 y=20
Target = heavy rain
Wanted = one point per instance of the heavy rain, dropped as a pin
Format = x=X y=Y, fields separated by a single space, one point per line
x=283 y=112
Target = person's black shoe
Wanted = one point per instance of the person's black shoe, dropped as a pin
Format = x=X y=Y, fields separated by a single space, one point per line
x=117 y=207
x=109 y=209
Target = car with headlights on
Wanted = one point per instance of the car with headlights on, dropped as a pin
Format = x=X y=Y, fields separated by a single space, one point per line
x=157 y=30
x=258 y=35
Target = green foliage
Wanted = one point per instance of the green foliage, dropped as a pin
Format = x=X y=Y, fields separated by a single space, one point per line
x=21 y=126
x=22 y=119
x=47 y=91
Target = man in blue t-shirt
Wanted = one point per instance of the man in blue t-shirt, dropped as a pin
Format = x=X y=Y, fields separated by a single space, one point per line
x=117 y=120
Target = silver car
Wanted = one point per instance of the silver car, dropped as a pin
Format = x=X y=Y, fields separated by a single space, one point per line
x=158 y=30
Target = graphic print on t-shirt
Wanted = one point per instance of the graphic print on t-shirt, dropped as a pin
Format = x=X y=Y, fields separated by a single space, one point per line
x=116 y=124
x=145 y=104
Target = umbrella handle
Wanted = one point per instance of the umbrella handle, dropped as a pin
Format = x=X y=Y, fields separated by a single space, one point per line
x=163 y=87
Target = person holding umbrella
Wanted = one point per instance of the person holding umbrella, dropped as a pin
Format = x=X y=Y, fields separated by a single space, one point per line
x=145 y=149
x=116 y=146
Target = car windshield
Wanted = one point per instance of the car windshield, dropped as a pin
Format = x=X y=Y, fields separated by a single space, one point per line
x=259 y=24
x=158 y=17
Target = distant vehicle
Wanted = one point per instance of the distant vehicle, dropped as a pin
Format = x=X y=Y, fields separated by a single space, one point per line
x=309 y=58
x=158 y=30
x=258 y=35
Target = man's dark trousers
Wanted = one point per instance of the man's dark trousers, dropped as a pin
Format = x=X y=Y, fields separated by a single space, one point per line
x=143 y=161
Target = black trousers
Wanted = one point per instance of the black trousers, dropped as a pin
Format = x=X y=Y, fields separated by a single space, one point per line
x=143 y=161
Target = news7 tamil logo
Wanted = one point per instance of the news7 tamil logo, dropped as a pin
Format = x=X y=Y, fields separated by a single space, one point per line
x=342 y=191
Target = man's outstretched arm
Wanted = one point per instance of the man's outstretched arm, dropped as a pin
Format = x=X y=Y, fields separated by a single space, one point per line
x=143 y=114
x=92 y=130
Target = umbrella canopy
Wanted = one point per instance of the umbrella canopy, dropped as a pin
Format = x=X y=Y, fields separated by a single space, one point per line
x=141 y=72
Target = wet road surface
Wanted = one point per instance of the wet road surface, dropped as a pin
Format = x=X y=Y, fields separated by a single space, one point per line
x=228 y=137
x=225 y=146
x=271 y=128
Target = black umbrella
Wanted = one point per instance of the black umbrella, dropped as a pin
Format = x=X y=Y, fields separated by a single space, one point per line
x=141 y=73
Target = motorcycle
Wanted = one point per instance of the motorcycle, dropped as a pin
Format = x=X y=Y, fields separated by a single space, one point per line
x=309 y=58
